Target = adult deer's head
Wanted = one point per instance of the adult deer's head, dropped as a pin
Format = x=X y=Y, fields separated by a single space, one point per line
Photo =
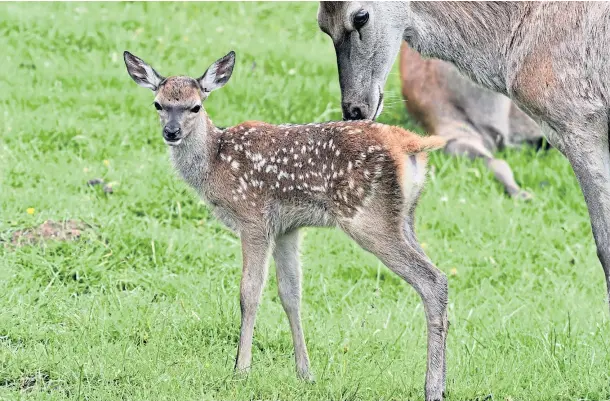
x=367 y=37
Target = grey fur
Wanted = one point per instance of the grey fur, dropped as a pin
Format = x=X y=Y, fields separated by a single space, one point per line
x=476 y=121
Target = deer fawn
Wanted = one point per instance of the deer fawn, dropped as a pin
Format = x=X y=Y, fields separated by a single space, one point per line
x=267 y=181
x=475 y=121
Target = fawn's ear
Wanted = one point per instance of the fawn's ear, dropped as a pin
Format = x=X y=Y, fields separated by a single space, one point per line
x=217 y=75
x=143 y=74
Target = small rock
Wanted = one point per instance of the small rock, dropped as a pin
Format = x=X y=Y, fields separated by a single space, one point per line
x=95 y=181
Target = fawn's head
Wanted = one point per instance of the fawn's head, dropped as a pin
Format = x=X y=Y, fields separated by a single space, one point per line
x=367 y=37
x=179 y=99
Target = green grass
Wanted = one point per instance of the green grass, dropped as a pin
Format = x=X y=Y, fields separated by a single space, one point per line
x=146 y=307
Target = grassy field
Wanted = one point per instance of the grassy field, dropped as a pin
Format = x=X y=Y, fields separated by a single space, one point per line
x=146 y=305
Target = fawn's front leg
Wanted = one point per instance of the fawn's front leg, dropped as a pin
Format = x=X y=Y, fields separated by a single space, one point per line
x=288 y=269
x=255 y=251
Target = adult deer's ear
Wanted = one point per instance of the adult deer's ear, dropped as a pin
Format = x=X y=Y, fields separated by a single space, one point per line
x=142 y=73
x=218 y=74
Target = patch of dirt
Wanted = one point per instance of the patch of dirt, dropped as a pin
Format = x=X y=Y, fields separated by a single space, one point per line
x=50 y=230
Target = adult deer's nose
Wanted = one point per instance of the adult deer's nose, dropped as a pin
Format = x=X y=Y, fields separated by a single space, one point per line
x=353 y=112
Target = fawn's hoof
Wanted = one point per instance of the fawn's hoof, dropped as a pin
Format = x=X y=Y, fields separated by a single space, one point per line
x=241 y=373
x=306 y=376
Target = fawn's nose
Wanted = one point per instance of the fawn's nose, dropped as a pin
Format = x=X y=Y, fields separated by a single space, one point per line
x=171 y=132
x=353 y=112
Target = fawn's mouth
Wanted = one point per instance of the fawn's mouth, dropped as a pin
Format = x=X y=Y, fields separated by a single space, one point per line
x=174 y=142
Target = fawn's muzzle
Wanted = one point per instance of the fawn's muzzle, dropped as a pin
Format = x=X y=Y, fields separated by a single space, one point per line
x=171 y=132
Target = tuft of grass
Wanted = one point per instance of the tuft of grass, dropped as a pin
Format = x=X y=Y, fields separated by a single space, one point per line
x=147 y=307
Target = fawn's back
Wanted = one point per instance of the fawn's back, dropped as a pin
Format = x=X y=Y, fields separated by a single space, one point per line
x=329 y=171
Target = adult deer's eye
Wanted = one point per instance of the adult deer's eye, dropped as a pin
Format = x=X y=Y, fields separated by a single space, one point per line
x=361 y=18
x=196 y=109
x=158 y=106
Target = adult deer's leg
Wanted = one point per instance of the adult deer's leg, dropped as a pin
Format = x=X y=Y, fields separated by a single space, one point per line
x=255 y=250
x=588 y=153
x=473 y=148
x=387 y=241
x=288 y=269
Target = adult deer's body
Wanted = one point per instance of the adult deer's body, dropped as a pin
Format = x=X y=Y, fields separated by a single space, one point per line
x=267 y=181
x=551 y=58
x=475 y=121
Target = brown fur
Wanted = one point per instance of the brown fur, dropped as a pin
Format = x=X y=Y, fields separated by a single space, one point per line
x=334 y=166
x=180 y=89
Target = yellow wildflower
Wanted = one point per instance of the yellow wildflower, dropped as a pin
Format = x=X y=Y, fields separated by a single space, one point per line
x=30 y=210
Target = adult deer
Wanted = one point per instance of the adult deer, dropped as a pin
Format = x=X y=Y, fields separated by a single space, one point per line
x=475 y=121
x=551 y=58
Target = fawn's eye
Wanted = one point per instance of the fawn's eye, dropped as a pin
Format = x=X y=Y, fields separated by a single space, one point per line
x=196 y=109
x=361 y=17
x=158 y=106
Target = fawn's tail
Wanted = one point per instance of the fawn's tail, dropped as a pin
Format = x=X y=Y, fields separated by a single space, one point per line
x=413 y=143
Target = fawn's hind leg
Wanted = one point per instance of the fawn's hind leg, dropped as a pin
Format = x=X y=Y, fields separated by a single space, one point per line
x=288 y=269
x=374 y=231
x=255 y=251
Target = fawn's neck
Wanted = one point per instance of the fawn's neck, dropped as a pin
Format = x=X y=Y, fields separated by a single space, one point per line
x=192 y=156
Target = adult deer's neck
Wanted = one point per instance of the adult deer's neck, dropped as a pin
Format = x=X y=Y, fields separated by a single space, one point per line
x=475 y=36
x=193 y=155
